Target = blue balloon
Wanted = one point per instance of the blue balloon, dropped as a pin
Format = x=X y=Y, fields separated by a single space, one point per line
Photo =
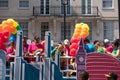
x=12 y=38
x=89 y=48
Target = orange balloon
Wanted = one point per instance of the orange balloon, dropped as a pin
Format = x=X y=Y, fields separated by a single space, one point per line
x=4 y=22
x=1 y=28
x=83 y=34
x=77 y=30
x=76 y=35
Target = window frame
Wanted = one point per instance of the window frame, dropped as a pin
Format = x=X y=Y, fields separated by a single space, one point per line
x=44 y=29
x=112 y=7
x=4 y=7
x=68 y=29
x=111 y=37
x=25 y=7
x=23 y=25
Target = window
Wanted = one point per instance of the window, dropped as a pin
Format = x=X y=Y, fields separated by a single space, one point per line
x=67 y=31
x=3 y=3
x=86 y=6
x=44 y=27
x=24 y=26
x=108 y=30
x=44 y=6
x=23 y=3
x=107 y=4
x=67 y=6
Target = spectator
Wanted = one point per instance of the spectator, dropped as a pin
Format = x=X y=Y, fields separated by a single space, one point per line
x=66 y=47
x=25 y=46
x=111 y=76
x=83 y=76
x=108 y=46
x=99 y=47
x=116 y=49
x=88 y=46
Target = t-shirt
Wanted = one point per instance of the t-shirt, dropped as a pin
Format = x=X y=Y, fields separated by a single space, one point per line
x=33 y=47
x=89 y=47
x=109 y=49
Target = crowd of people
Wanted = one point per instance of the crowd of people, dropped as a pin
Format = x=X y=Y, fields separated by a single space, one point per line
x=36 y=48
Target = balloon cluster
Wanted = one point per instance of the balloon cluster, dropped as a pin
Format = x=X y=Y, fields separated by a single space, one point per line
x=81 y=31
x=11 y=26
x=8 y=31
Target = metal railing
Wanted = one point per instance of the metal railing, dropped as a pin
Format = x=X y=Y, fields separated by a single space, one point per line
x=70 y=11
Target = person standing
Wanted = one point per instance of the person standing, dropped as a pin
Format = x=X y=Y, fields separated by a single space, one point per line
x=111 y=76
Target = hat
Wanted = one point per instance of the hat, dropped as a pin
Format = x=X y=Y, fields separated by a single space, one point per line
x=112 y=75
x=66 y=42
x=106 y=41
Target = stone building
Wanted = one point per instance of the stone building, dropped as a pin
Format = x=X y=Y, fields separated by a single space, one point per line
x=38 y=16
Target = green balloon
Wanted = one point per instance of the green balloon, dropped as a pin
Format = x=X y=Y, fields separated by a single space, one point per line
x=18 y=27
x=81 y=23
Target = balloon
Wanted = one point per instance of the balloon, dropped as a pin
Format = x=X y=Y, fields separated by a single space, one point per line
x=5 y=36
x=1 y=28
x=14 y=32
x=74 y=40
x=12 y=38
x=4 y=22
x=81 y=23
x=85 y=26
x=78 y=26
x=18 y=27
x=76 y=35
x=77 y=30
x=3 y=46
x=74 y=45
x=73 y=52
x=15 y=24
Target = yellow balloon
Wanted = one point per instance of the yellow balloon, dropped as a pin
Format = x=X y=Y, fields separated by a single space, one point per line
x=10 y=19
x=78 y=26
x=85 y=26
x=15 y=24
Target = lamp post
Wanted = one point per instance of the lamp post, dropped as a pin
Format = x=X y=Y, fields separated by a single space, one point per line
x=119 y=16
x=65 y=2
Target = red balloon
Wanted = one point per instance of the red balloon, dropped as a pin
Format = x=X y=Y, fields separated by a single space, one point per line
x=73 y=52
x=74 y=40
x=74 y=45
x=3 y=46
x=5 y=36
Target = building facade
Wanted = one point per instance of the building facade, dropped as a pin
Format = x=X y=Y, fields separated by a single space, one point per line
x=38 y=16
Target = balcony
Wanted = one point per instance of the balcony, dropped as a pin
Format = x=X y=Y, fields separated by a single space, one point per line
x=72 y=11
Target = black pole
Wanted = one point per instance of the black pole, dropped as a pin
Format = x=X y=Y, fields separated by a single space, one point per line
x=64 y=21
x=119 y=16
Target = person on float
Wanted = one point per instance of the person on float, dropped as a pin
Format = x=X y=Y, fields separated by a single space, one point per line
x=108 y=46
x=116 y=49
x=35 y=48
x=10 y=53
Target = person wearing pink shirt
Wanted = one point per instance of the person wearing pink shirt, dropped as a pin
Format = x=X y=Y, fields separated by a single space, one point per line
x=34 y=47
x=10 y=53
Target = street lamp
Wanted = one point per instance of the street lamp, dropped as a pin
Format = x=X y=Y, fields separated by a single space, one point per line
x=119 y=16
x=65 y=2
